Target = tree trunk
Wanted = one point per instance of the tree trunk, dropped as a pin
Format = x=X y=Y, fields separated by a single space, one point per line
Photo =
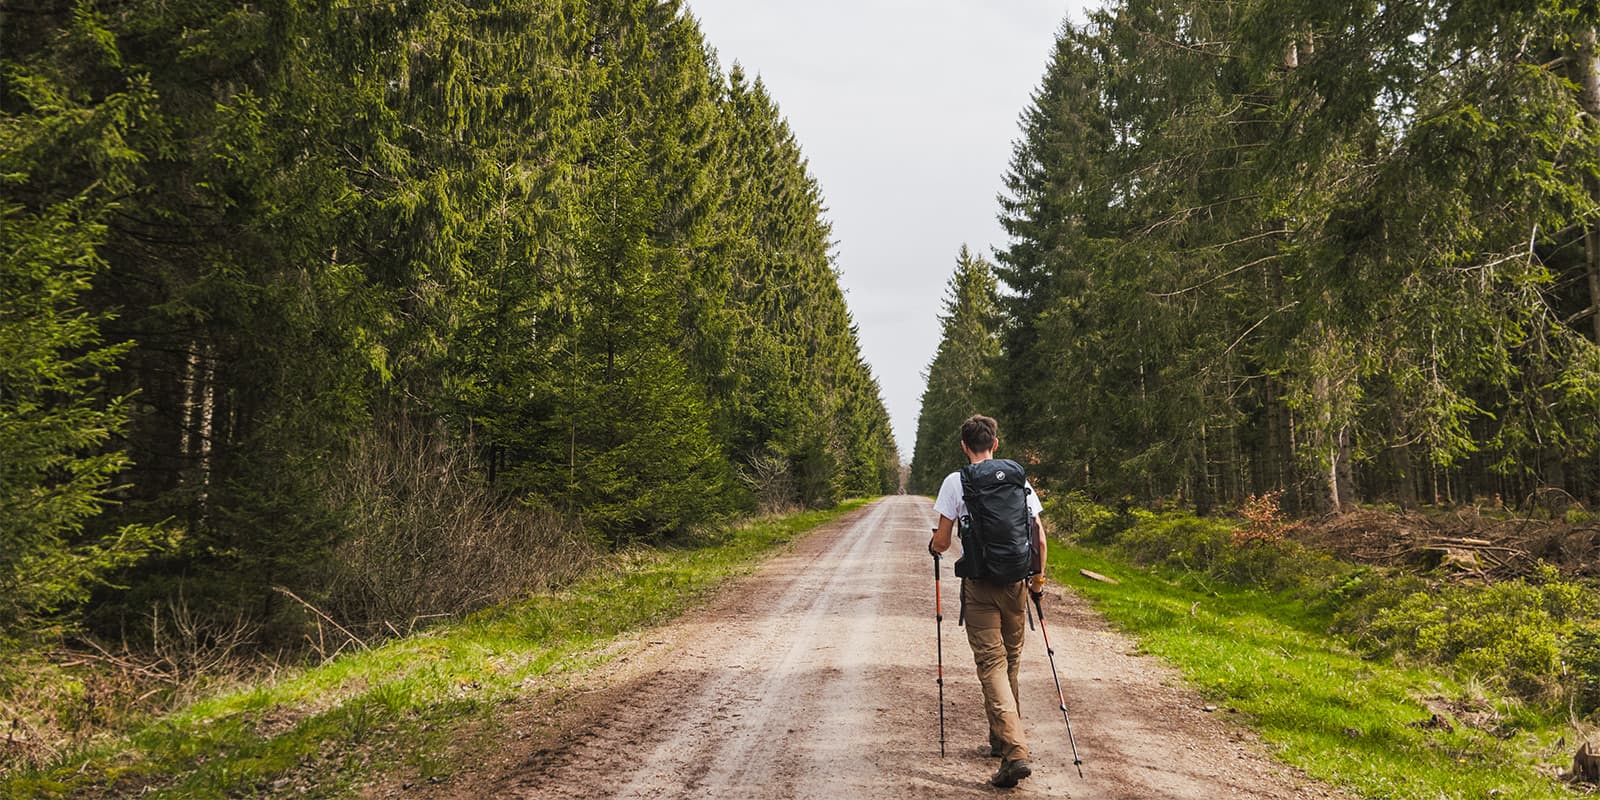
x=1280 y=438
x=197 y=412
x=1331 y=478
x=1275 y=446
x=1234 y=477
x=1291 y=472
x=1327 y=441
x=1344 y=471
x=1591 y=247
x=191 y=369
x=1555 y=470
x=1406 y=479
x=1585 y=72
x=208 y=409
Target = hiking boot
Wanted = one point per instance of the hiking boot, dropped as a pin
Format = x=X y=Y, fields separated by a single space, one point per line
x=1010 y=772
x=997 y=748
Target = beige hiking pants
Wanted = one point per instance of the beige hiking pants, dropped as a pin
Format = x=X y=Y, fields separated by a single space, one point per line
x=994 y=629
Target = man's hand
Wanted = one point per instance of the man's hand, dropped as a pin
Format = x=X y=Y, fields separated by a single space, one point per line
x=941 y=537
x=1036 y=584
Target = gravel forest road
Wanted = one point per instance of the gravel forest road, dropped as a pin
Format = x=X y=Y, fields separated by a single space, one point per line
x=814 y=678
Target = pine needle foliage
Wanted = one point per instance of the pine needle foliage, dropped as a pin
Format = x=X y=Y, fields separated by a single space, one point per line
x=961 y=379
x=1349 y=252
x=242 y=238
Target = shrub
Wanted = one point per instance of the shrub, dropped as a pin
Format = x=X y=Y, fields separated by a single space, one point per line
x=1093 y=523
x=426 y=539
x=1508 y=634
x=1076 y=514
x=1212 y=548
x=1264 y=521
x=769 y=478
x=1581 y=657
x=1364 y=591
x=1176 y=541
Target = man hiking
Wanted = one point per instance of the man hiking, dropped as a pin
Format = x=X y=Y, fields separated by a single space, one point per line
x=1003 y=555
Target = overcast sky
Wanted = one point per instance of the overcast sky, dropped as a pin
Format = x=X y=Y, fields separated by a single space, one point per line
x=906 y=110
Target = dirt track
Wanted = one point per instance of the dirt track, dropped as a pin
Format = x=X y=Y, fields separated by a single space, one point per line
x=814 y=678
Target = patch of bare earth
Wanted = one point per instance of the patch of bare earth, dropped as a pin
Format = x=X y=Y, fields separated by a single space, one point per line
x=814 y=678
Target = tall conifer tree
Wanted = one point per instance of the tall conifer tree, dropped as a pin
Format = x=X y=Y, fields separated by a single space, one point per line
x=962 y=380
x=555 y=235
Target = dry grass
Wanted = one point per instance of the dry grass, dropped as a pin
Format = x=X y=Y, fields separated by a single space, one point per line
x=57 y=695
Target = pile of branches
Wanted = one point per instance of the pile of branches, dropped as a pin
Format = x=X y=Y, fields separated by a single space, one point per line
x=1468 y=542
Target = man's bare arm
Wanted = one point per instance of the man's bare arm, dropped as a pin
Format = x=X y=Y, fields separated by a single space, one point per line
x=1039 y=546
x=941 y=535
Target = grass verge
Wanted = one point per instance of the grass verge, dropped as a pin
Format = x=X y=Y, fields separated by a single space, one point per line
x=1357 y=723
x=321 y=731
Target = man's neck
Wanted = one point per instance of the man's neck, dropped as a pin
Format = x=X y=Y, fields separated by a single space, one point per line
x=978 y=458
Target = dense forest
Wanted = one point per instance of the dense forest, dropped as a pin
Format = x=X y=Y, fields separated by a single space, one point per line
x=1349 y=251
x=278 y=276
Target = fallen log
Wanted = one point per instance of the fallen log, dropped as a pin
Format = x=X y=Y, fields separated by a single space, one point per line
x=1462 y=541
x=1095 y=576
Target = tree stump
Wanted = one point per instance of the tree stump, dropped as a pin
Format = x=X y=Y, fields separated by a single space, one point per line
x=1586 y=765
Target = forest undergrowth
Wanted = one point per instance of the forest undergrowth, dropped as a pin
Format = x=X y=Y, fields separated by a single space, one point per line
x=426 y=543
x=1423 y=677
x=318 y=730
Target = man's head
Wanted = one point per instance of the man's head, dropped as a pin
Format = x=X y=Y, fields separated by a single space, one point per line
x=979 y=435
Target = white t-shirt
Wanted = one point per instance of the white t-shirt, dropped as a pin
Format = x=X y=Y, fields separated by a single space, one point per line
x=950 y=505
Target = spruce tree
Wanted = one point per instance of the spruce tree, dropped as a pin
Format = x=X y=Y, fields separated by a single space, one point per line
x=65 y=162
x=961 y=380
x=1334 y=250
x=553 y=234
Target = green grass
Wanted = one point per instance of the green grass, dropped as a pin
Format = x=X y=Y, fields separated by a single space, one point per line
x=1319 y=706
x=321 y=731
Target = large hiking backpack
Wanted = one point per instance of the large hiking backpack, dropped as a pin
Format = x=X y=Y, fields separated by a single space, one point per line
x=996 y=533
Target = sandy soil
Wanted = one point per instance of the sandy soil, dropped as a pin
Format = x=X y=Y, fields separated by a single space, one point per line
x=814 y=678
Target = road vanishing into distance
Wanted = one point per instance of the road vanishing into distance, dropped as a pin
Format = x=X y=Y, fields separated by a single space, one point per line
x=814 y=678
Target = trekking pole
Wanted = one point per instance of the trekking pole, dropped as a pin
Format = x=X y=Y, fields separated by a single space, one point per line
x=1077 y=762
x=938 y=627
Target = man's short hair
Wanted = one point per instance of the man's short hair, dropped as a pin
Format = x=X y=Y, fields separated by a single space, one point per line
x=980 y=433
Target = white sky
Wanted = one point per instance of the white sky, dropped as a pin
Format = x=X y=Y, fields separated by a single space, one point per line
x=906 y=110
